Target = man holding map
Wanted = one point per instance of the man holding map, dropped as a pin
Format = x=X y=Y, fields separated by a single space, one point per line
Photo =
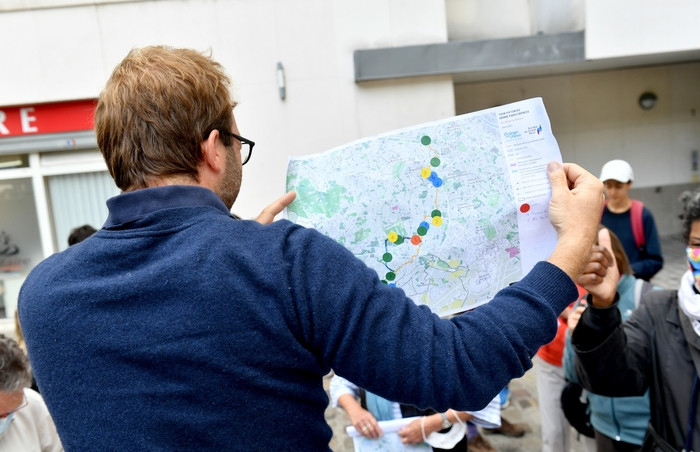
x=180 y=327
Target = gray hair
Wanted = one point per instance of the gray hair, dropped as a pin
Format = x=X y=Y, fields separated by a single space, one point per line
x=15 y=371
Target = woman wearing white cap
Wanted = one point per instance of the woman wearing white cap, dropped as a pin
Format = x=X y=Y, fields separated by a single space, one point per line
x=630 y=220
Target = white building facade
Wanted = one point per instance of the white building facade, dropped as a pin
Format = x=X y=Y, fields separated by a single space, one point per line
x=348 y=69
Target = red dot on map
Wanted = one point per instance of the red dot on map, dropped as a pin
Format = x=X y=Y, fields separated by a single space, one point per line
x=416 y=239
x=525 y=208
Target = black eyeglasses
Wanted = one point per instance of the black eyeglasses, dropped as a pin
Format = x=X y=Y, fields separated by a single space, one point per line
x=246 y=146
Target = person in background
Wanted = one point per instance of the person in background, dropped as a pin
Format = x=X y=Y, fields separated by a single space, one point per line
x=507 y=428
x=76 y=235
x=656 y=349
x=556 y=431
x=20 y=335
x=645 y=258
x=25 y=423
x=80 y=233
x=366 y=410
x=21 y=344
x=476 y=441
x=182 y=327
x=619 y=423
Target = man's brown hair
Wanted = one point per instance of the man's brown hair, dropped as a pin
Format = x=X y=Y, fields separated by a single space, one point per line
x=158 y=105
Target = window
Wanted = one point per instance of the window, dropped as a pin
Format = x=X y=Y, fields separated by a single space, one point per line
x=78 y=199
x=20 y=244
x=13 y=161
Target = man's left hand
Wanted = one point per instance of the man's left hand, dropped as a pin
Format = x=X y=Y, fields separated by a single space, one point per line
x=268 y=214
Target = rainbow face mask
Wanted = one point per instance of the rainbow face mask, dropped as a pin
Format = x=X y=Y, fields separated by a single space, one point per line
x=694 y=262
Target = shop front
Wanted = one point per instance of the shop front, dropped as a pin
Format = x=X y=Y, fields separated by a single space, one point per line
x=52 y=179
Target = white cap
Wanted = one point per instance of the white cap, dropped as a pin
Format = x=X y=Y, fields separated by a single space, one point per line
x=618 y=170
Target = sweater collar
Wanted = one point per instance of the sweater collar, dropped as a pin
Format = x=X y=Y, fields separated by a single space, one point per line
x=134 y=205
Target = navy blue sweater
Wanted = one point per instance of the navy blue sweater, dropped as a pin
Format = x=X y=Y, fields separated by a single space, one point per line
x=177 y=327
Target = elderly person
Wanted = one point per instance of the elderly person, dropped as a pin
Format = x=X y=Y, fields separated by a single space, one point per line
x=25 y=423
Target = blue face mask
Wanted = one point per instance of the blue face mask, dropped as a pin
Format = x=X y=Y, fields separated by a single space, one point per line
x=5 y=422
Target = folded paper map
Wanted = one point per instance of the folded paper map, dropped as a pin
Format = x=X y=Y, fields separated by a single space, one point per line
x=450 y=211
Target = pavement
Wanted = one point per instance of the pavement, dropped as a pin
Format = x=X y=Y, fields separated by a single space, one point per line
x=523 y=407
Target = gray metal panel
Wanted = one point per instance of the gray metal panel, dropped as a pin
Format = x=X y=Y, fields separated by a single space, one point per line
x=48 y=142
x=457 y=57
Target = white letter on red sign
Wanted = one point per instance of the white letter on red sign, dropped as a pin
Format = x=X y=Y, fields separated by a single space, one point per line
x=26 y=119
x=3 y=130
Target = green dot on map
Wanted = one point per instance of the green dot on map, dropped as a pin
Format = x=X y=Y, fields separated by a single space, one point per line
x=384 y=281
x=387 y=257
x=390 y=276
x=425 y=140
x=422 y=231
x=434 y=161
x=436 y=213
x=399 y=240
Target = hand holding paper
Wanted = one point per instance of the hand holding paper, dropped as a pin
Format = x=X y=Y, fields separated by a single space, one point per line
x=574 y=210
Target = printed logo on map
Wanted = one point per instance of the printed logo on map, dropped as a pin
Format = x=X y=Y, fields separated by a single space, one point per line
x=532 y=130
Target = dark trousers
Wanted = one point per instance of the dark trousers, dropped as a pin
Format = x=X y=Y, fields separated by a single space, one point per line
x=606 y=444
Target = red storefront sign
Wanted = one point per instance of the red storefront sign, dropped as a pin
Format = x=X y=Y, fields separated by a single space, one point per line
x=47 y=118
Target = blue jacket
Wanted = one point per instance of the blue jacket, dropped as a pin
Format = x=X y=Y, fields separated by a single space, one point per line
x=178 y=327
x=620 y=418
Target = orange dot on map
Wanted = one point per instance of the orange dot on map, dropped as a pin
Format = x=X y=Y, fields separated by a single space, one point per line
x=525 y=208
x=416 y=239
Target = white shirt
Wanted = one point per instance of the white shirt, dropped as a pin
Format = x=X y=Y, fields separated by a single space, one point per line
x=32 y=429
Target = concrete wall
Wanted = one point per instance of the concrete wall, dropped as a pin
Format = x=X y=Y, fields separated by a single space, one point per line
x=63 y=53
x=596 y=118
x=491 y=19
x=663 y=203
x=639 y=27
x=619 y=28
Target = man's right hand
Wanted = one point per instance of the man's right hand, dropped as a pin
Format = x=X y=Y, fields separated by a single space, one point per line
x=574 y=210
